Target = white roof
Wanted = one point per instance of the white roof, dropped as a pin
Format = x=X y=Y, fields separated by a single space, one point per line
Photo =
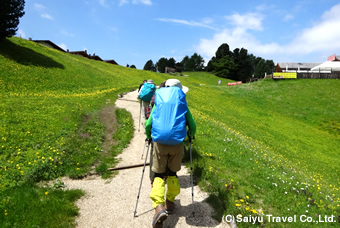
x=298 y=65
x=328 y=65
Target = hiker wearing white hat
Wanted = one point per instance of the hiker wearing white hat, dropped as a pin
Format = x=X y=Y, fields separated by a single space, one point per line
x=176 y=82
x=167 y=127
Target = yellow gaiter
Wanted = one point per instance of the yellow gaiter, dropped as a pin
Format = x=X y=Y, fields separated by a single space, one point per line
x=173 y=188
x=157 y=193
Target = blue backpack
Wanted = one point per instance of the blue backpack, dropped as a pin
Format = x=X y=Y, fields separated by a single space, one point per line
x=147 y=92
x=168 y=118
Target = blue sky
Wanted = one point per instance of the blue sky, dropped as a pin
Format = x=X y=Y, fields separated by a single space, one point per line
x=134 y=31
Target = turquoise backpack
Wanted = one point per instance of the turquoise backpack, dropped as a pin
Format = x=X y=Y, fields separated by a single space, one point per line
x=168 y=117
x=147 y=92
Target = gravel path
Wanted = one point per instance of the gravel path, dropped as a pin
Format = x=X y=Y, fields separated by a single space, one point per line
x=111 y=203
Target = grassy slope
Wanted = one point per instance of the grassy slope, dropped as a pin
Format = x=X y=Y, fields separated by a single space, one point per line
x=256 y=143
x=259 y=144
x=49 y=100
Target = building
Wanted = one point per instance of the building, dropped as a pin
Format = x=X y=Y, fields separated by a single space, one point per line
x=295 y=67
x=48 y=43
x=334 y=58
x=111 y=61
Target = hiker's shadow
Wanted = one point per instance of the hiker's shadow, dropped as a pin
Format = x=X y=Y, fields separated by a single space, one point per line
x=185 y=181
x=197 y=214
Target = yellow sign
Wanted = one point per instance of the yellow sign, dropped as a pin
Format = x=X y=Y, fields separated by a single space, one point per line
x=284 y=75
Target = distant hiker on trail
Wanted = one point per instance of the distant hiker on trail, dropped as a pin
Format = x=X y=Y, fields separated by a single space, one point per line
x=140 y=86
x=166 y=126
x=145 y=94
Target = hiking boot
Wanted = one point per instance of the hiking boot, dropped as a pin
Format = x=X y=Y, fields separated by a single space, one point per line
x=169 y=206
x=159 y=217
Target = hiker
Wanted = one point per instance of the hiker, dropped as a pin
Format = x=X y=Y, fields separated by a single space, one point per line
x=148 y=112
x=145 y=94
x=140 y=86
x=166 y=126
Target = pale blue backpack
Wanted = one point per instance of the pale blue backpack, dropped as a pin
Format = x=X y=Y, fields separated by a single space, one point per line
x=168 y=117
x=147 y=92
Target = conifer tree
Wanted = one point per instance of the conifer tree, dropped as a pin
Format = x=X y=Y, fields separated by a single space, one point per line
x=10 y=12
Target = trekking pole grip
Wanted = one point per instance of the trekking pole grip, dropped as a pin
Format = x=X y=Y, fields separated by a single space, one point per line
x=148 y=140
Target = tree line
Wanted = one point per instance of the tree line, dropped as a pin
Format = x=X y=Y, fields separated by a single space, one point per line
x=237 y=65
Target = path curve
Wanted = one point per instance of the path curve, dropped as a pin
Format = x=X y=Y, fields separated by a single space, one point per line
x=111 y=203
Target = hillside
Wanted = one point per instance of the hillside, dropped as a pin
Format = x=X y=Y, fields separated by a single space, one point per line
x=270 y=147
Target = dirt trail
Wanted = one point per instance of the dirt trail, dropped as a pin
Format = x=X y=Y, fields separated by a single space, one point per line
x=111 y=203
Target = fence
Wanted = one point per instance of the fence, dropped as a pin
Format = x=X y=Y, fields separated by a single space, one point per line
x=319 y=75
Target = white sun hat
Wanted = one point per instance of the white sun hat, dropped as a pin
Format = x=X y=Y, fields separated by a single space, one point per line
x=176 y=82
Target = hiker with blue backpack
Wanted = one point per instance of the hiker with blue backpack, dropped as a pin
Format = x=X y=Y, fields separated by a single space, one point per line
x=145 y=94
x=140 y=86
x=167 y=128
x=148 y=112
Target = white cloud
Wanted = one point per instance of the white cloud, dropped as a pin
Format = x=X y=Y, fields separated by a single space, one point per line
x=63 y=46
x=66 y=33
x=39 y=7
x=47 y=16
x=42 y=10
x=288 y=17
x=103 y=3
x=122 y=2
x=323 y=37
x=21 y=33
x=204 y=24
x=145 y=2
x=246 y=21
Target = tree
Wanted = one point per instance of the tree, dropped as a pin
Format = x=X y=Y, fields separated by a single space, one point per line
x=197 y=61
x=270 y=66
x=210 y=66
x=10 y=12
x=224 y=66
x=171 y=63
x=133 y=66
x=194 y=63
x=149 y=66
x=161 y=64
x=263 y=67
x=244 y=67
x=184 y=63
x=222 y=51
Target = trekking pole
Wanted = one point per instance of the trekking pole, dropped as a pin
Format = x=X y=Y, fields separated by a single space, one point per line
x=140 y=113
x=143 y=149
x=141 y=180
x=192 y=181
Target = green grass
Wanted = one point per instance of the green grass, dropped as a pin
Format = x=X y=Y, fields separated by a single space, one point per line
x=270 y=147
x=30 y=206
x=49 y=115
